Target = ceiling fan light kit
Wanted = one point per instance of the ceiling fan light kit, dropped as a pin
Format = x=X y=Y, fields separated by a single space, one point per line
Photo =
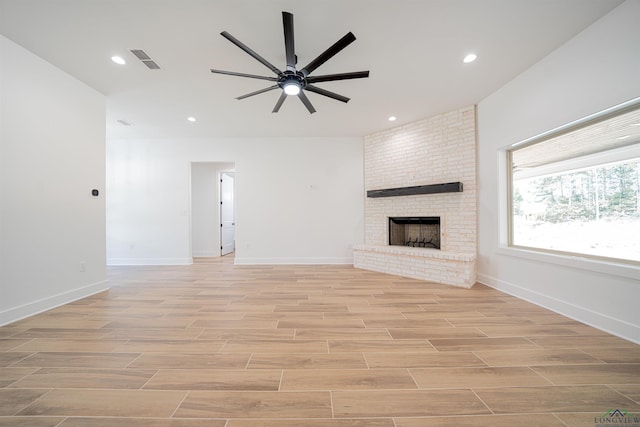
x=291 y=88
x=293 y=81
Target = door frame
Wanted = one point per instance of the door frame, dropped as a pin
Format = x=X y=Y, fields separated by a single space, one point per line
x=195 y=215
x=233 y=201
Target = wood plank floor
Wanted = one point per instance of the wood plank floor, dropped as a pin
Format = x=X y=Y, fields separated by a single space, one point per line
x=214 y=344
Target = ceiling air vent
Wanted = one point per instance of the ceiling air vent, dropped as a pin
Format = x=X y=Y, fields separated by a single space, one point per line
x=141 y=54
x=152 y=65
x=146 y=59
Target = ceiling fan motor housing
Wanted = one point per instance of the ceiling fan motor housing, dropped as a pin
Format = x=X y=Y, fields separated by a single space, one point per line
x=292 y=78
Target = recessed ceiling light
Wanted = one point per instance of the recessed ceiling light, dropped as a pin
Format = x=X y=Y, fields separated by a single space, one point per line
x=191 y=119
x=118 y=60
x=470 y=58
x=392 y=118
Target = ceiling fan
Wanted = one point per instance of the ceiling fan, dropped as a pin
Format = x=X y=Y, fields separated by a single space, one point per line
x=295 y=81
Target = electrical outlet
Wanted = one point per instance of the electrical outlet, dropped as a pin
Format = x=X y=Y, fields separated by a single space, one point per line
x=83 y=267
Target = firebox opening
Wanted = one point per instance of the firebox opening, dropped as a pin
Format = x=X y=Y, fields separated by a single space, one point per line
x=417 y=232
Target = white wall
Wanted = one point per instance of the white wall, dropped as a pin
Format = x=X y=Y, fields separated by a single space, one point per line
x=297 y=200
x=597 y=69
x=52 y=143
x=205 y=207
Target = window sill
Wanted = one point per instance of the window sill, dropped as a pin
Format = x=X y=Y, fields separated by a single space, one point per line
x=606 y=267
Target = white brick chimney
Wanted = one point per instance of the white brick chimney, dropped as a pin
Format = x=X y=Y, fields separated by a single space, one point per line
x=439 y=149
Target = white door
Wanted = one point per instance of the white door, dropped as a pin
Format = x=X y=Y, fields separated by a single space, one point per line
x=227 y=214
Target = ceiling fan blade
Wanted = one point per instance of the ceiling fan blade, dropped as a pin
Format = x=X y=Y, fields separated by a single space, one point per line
x=306 y=102
x=289 y=45
x=251 y=76
x=250 y=52
x=325 y=92
x=340 y=76
x=283 y=96
x=329 y=53
x=258 y=92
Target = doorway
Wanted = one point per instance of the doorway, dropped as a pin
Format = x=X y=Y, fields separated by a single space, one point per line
x=227 y=213
x=206 y=214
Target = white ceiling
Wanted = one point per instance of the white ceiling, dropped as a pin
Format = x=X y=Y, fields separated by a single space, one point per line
x=413 y=49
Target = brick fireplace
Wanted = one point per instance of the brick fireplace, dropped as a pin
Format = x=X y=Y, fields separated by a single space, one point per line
x=426 y=153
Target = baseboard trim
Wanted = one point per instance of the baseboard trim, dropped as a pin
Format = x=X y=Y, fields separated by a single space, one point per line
x=592 y=318
x=32 y=308
x=294 y=261
x=149 y=261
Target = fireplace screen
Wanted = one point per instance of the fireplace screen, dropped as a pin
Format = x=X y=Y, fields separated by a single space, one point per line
x=418 y=232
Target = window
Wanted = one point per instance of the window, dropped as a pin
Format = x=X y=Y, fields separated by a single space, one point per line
x=577 y=190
